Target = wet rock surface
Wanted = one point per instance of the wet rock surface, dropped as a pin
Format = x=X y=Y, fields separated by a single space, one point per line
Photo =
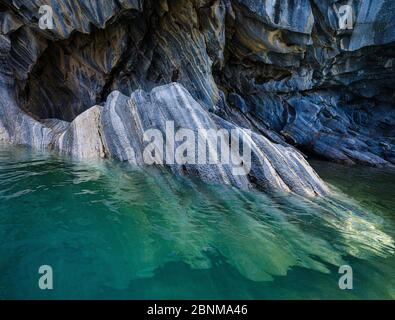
x=273 y=167
x=282 y=69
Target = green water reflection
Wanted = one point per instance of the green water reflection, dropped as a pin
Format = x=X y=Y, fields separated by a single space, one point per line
x=112 y=231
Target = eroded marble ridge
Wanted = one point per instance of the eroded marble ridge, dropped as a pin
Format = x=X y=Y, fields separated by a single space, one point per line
x=280 y=68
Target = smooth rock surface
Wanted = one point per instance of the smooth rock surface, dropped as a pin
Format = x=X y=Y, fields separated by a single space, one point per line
x=84 y=137
x=274 y=167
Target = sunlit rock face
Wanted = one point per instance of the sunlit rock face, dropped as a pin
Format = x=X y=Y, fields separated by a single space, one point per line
x=280 y=68
x=273 y=167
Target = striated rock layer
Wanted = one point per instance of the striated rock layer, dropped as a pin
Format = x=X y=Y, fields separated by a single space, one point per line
x=117 y=130
x=280 y=68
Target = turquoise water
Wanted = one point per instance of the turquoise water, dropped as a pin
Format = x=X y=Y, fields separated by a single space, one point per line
x=113 y=231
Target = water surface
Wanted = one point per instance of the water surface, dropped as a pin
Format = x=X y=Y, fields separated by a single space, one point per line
x=113 y=231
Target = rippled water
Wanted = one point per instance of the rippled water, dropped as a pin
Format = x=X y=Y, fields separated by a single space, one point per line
x=112 y=231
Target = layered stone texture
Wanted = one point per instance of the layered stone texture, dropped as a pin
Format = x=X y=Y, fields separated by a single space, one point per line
x=274 y=167
x=281 y=68
x=118 y=129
